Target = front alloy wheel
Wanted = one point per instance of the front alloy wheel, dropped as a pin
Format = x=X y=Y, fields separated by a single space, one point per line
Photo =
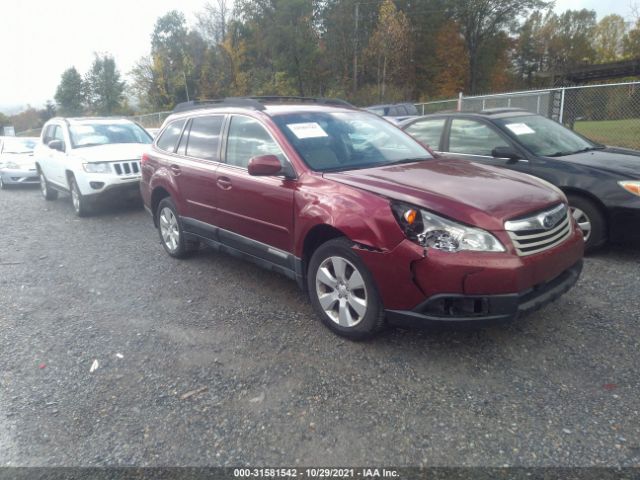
x=343 y=291
x=80 y=204
x=583 y=222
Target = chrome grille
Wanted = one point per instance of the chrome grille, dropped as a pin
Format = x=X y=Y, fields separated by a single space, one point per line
x=127 y=168
x=540 y=232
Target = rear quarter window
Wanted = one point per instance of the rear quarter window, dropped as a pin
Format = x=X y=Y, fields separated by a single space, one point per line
x=170 y=136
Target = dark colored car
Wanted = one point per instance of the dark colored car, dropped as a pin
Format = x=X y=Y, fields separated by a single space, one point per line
x=395 y=112
x=359 y=214
x=601 y=183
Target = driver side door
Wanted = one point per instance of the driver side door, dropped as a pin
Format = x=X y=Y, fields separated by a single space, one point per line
x=476 y=140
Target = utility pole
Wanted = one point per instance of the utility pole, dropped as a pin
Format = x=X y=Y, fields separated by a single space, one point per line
x=355 y=50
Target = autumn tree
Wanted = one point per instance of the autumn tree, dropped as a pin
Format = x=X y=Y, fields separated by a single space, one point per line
x=632 y=42
x=452 y=61
x=609 y=38
x=390 y=47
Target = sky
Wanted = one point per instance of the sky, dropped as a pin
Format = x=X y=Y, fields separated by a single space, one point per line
x=40 y=39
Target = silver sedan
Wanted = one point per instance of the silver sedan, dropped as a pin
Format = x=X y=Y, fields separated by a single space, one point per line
x=17 y=166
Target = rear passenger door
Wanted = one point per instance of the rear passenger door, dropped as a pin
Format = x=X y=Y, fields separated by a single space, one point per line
x=254 y=209
x=194 y=168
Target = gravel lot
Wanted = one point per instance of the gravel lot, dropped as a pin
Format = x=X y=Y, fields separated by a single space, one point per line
x=273 y=386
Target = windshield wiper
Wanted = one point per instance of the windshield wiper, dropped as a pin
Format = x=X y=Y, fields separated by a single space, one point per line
x=590 y=149
x=406 y=160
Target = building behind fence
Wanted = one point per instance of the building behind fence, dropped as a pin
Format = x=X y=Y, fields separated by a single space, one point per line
x=608 y=113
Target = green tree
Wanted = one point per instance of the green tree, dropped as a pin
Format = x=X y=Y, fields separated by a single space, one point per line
x=570 y=39
x=609 y=38
x=480 y=20
x=70 y=93
x=169 y=62
x=104 y=89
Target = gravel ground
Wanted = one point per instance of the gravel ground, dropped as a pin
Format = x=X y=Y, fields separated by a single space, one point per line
x=213 y=361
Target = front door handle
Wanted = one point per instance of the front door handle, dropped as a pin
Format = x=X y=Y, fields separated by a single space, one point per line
x=224 y=183
x=175 y=169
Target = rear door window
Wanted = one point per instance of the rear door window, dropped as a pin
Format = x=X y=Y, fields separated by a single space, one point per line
x=428 y=131
x=204 y=137
x=170 y=136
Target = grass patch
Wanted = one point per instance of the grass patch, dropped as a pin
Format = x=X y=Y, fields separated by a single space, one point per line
x=619 y=133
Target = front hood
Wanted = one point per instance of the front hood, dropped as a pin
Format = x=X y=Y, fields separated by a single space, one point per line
x=111 y=153
x=611 y=159
x=23 y=160
x=478 y=195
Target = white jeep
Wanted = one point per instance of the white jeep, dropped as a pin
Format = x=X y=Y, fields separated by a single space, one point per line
x=93 y=159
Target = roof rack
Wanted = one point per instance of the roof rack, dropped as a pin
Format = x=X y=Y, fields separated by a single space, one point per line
x=222 y=102
x=296 y=99
x=256 y=103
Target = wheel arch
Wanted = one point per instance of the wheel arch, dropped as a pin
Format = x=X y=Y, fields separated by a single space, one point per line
x=157 y=195
x=588 y=196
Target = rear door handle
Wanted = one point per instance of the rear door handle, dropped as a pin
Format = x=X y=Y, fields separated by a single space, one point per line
x=224 y=183
x=175 y=169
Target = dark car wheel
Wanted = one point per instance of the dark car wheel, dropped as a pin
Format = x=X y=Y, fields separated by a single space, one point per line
x=3 y=186
x=590 y=220
x=79 y=201
x=171 y=233
x=343 y=292
x=47 y=192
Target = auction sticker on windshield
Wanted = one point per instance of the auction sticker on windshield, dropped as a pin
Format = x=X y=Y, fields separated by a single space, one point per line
x=520 y=128
x=307 y=130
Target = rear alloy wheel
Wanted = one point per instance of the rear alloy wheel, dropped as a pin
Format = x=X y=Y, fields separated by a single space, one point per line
x=80 y=203
x=590 y=220
x=47 y=192
x=3 y=186
x=171 y=232
x=343 y=292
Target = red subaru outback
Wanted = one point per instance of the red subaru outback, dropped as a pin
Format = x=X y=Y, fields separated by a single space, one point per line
x=360 y=214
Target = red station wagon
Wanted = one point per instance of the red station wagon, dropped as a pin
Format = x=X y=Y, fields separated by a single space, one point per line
x=360 y=214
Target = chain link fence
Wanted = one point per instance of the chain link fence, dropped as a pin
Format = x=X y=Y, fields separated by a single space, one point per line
x=151 y=120
x=608 y=113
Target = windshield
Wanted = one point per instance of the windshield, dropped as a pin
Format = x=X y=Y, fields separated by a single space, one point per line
x=545 y=137
x=18 y=145
x=348 y=140
x=102 y=133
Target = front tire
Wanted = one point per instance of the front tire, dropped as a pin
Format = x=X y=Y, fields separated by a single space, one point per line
x=343 y=292
x=171 y=232
x=79 y=201
x=48 y=193
x=3 y=186
x=590 y=220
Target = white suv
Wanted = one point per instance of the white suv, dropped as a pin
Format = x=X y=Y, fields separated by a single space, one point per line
x=91 y=158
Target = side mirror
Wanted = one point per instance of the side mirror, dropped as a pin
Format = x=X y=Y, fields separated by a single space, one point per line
x=505 y=152
x=264 y=166
x=56 y=145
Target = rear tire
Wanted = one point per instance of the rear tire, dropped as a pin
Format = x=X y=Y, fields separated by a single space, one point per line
x=3 y=186
x=171 y=232
x=79 y=201
x=47 y=192
x=343 y=292
x=590 y=220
